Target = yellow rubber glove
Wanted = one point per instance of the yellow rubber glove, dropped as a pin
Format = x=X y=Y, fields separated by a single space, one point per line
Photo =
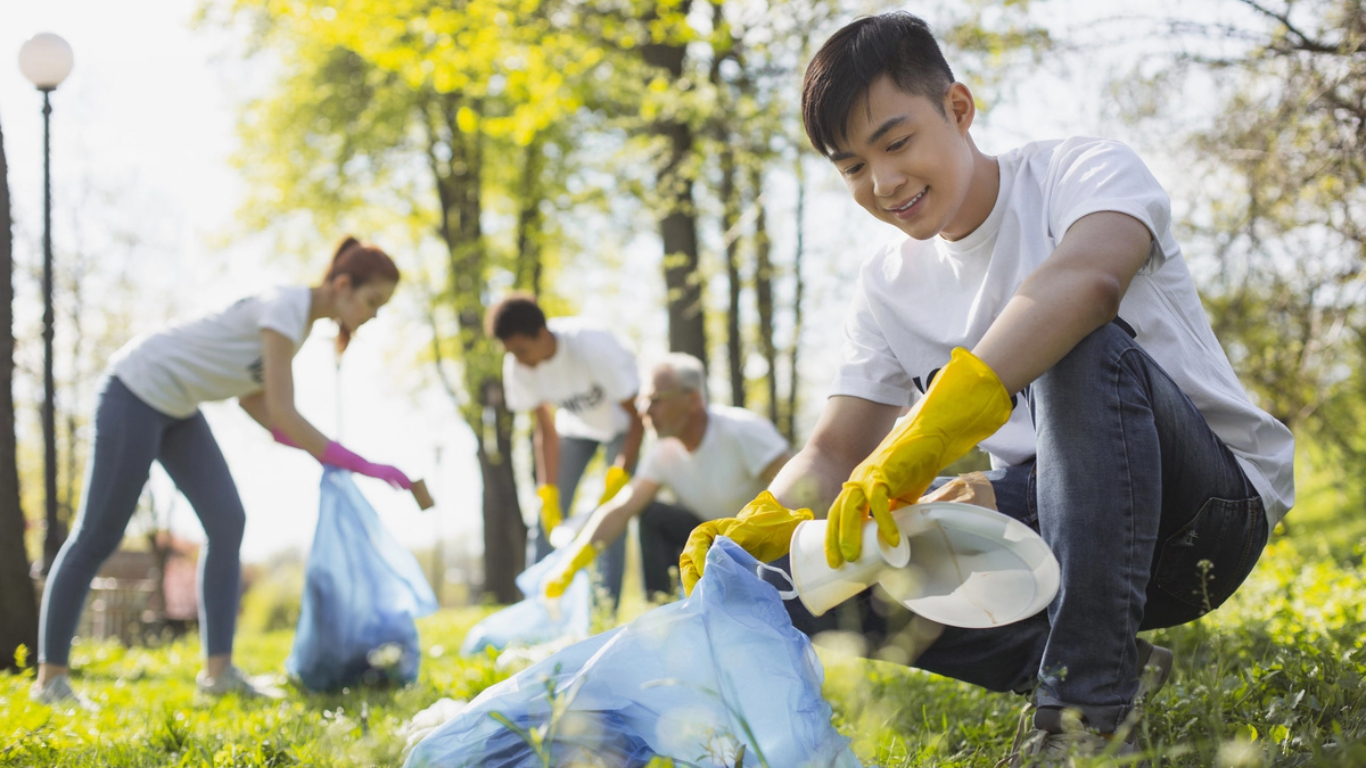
x=617 y=478
x=964 y=405
x=551 y=516
x=584 y=554
x=763 y=528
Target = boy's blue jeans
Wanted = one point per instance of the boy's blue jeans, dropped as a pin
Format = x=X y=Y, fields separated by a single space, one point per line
x=1152 y=520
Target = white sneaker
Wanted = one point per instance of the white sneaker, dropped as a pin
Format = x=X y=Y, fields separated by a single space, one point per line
x=59 y=694
x=233 y=680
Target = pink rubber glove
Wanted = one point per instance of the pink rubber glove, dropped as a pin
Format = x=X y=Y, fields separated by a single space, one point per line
x=282 y=438
x=337 y=456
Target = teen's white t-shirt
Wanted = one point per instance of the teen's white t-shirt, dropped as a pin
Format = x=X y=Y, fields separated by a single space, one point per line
x=726 y=471
x=586 y=379
x=210 y=358
x=917 y=300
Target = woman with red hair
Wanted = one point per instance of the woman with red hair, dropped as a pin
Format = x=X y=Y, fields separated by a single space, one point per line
x=148 y=410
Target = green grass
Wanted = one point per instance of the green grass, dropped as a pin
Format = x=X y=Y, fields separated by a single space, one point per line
x=1273 y=678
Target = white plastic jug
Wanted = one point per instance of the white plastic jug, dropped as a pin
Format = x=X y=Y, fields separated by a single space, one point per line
x=957 y=564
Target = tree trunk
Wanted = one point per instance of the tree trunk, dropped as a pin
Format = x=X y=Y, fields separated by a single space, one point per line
x=789 y=425
x=530 y=219
x=18 y=603
x=730 y=216
x=459 y=185
x=730 y=212
x=529 y=259
x=763 y=288
x=678 y=229
x=678 y=219
x=504 y=532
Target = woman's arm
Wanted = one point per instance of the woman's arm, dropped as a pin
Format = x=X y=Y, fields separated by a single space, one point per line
x=277 y=353
x=255 y=406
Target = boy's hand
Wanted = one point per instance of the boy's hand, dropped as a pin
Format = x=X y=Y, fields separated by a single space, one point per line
x=617 y=478
x=964 y=405
x=763 y=529
x=550 y=508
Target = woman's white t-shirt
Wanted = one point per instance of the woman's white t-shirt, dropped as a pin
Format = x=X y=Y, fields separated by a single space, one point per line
x=917 y=300
x=586 y=379
x=210 y=358
x=726 y=471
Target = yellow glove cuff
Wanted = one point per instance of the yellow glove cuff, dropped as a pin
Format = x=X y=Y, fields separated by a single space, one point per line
x=584 y=554
x=766 y=527
x=617 y=478
x=965 y=404
x=763 y=529
x=551 y=516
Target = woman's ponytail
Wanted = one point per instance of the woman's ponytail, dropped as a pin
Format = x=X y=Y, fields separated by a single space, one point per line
x=362 y=262
x=346 y=244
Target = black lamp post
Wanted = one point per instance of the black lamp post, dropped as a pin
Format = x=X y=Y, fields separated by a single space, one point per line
x=45 y=59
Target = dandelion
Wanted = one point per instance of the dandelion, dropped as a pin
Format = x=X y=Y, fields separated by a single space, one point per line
x=1239 y=753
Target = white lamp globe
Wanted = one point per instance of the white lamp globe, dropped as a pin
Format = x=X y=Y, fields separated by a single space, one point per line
x=46 y=60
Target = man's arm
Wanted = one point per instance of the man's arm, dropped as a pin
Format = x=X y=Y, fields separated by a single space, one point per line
x=1076 y=290
x=630 y=449
x=547 y=443
x=606 y=524
x=609 y=520
x=848 y=430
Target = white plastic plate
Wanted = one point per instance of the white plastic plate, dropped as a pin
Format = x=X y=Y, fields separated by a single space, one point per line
x=971 y=566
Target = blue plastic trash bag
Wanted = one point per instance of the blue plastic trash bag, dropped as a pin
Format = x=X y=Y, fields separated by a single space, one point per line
x=534 y=621
x=697 y=680
x=362 y=591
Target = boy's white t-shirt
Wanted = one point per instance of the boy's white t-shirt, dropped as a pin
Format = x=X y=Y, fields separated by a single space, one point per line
x=917 y=300
x=210 y=358
x=726 y=471
x=586 y=379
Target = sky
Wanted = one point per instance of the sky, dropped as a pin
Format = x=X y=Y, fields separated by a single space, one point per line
x=143 y=133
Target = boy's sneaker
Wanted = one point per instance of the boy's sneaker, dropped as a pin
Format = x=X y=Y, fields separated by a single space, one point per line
x=1155 y=666
x=232 y=680
x=1047 y=736
x=59 y=694
x=1058 y=735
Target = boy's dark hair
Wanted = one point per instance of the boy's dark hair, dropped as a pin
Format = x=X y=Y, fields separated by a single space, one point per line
x=516 y=314
x=896 y=44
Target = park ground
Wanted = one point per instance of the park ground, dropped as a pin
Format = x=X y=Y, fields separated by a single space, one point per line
x=1275 y=677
